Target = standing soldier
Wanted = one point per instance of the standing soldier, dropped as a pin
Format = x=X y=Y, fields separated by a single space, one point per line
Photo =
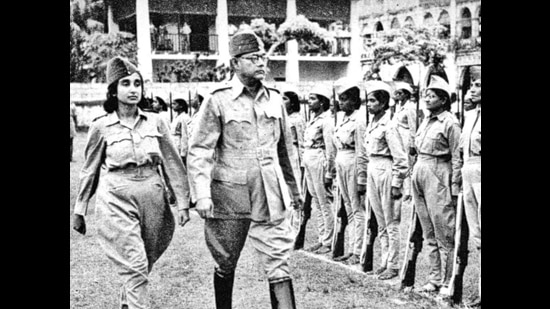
x=471 y=173
x=297 y=126
x=351 y=170
x=179 y=128
x=387 y=163
x=436 y=181
x=240 y=166
x=319 y=163
x=407 y=123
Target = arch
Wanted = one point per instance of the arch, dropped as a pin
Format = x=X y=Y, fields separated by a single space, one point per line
x=465 y=23
x=428 y=19
x=395 y=24
x=403 y=74
x=409 y=22
x=445 y=21
x=479 y=20
x=378 y=27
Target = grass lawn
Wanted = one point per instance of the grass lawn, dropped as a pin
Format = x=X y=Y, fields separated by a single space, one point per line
x=182 y=277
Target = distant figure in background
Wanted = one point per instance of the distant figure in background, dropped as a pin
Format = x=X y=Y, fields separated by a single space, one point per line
x=179 y=130
x=186 y=30
x=73 y=128
x=195 y=107
x=297 y=126
x=160 y=107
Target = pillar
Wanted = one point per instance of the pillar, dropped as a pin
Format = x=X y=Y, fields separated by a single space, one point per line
x=145 y=62
x=222 y=29
x=354 y=64
x=111 y=23
x=292 y=70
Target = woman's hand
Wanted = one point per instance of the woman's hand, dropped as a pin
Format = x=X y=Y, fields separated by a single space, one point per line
x=79 y=224
x=204 y=207
x=183 y=216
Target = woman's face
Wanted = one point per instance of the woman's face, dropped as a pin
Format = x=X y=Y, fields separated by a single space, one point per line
x=345 y=103
x=129 y=89
x=374 y=106
x=156 y=105
x=286 y=101
x=475 y=91
x=433 y=102
x=314 y=103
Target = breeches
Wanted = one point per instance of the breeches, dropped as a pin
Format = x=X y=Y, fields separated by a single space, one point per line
x=273 y=241
x=386 y=210
x=135 y=226
x=471 y=180
x=347 y=182
x=314 y=161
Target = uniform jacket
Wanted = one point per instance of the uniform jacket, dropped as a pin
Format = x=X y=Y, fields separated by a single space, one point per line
x=470 y=140
x=405 y=116
x=112 y=145
x=180 y=133
x=439 y=136
x=297 y=127
x=349 y=134
x=240 y=154
x=382 y=139
x=318 y=134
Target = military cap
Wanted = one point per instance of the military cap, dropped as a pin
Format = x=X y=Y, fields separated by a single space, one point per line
x=437 y=82
x=118 y=68
x=344 y=84
x=244 y=42
x=321 y=90
x=403 y=86
x=374 y=85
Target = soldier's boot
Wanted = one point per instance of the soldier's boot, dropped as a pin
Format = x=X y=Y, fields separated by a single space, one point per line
x=223 y=288
x=282 y=294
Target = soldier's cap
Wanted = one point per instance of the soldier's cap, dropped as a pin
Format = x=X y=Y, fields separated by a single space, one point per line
x=403 y=86
x=244 y=42
x=437 y=82
x=118 y=68
x=374 y=85
x=321 y=90
x=344 y=84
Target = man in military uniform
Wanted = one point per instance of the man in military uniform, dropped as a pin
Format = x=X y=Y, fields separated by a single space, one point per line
x=240 y=167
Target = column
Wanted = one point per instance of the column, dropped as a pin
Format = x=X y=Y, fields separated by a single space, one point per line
x=222 y=29
x=111 y=23
x=452 y=15
x=145 y=62
x=354 y=64
x=292 y=72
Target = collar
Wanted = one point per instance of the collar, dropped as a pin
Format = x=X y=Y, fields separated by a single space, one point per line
x=382 y=121
x=439 y=117
x=112 y=118
x=238 y=89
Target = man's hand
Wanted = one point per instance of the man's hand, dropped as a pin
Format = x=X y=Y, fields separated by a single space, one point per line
x=297 y=204
x=204 y=208
x=412 y=151
x=183 y=216
x=79 y=224
x=361 y=189
x=395 y=193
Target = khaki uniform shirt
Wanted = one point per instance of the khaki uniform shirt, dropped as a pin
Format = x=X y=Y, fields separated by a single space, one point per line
x=112 y=145
x=470 y=141
x=382 y=140
x=318 y=134
x=241 y=156
x=349 y=134
x=439 y=136
x=297 y=127
x=180 y=133
x=405 y=117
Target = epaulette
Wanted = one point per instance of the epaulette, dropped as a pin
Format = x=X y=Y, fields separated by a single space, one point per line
x=101 y=116
x=220 y=87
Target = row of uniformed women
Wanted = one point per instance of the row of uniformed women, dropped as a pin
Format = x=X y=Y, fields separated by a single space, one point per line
x=385 y=146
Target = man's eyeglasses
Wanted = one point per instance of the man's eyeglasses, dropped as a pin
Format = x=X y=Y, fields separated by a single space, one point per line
x=254 y=58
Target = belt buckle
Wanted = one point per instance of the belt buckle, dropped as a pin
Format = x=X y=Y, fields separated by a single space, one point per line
x=263 y=155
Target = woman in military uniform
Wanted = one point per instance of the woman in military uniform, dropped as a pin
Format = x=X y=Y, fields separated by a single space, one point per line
x=126 y=153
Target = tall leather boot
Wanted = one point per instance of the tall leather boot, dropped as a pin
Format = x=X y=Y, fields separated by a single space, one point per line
x=223 y=288
x=282 y=294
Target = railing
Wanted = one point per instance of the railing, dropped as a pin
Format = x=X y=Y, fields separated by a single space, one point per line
x=469 y=44
x=185 y=44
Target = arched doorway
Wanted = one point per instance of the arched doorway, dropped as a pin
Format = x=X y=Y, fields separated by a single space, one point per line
x=465 y=24
x=409 y=22
x=445 y=21
x=428 y=19
x=395 y=24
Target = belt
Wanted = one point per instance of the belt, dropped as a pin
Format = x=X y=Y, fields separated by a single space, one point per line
x=258 y=153
x=427 y=157
x=133 y=168
x=315 y=147
x=346 y=147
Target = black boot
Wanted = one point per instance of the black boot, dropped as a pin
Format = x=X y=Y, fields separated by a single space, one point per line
x=282 y=294
x=223 y=288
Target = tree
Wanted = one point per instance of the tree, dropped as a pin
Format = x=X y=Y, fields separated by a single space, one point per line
x=409 y=45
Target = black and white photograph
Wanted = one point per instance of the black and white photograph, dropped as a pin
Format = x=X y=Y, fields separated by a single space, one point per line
x=278 y=154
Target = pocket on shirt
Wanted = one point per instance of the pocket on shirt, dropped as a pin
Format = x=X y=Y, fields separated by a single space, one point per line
x=238 y=126
x=437 y=142
x=230 y=191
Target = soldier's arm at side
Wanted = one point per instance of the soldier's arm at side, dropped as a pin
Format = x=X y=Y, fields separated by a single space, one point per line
x=453 y=133
x=285 y=150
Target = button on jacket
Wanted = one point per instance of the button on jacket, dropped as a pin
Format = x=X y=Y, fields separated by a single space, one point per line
x=439 y=136
x=241 y=156
x=112 y=146
x=319 y=134
x=382 y=140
